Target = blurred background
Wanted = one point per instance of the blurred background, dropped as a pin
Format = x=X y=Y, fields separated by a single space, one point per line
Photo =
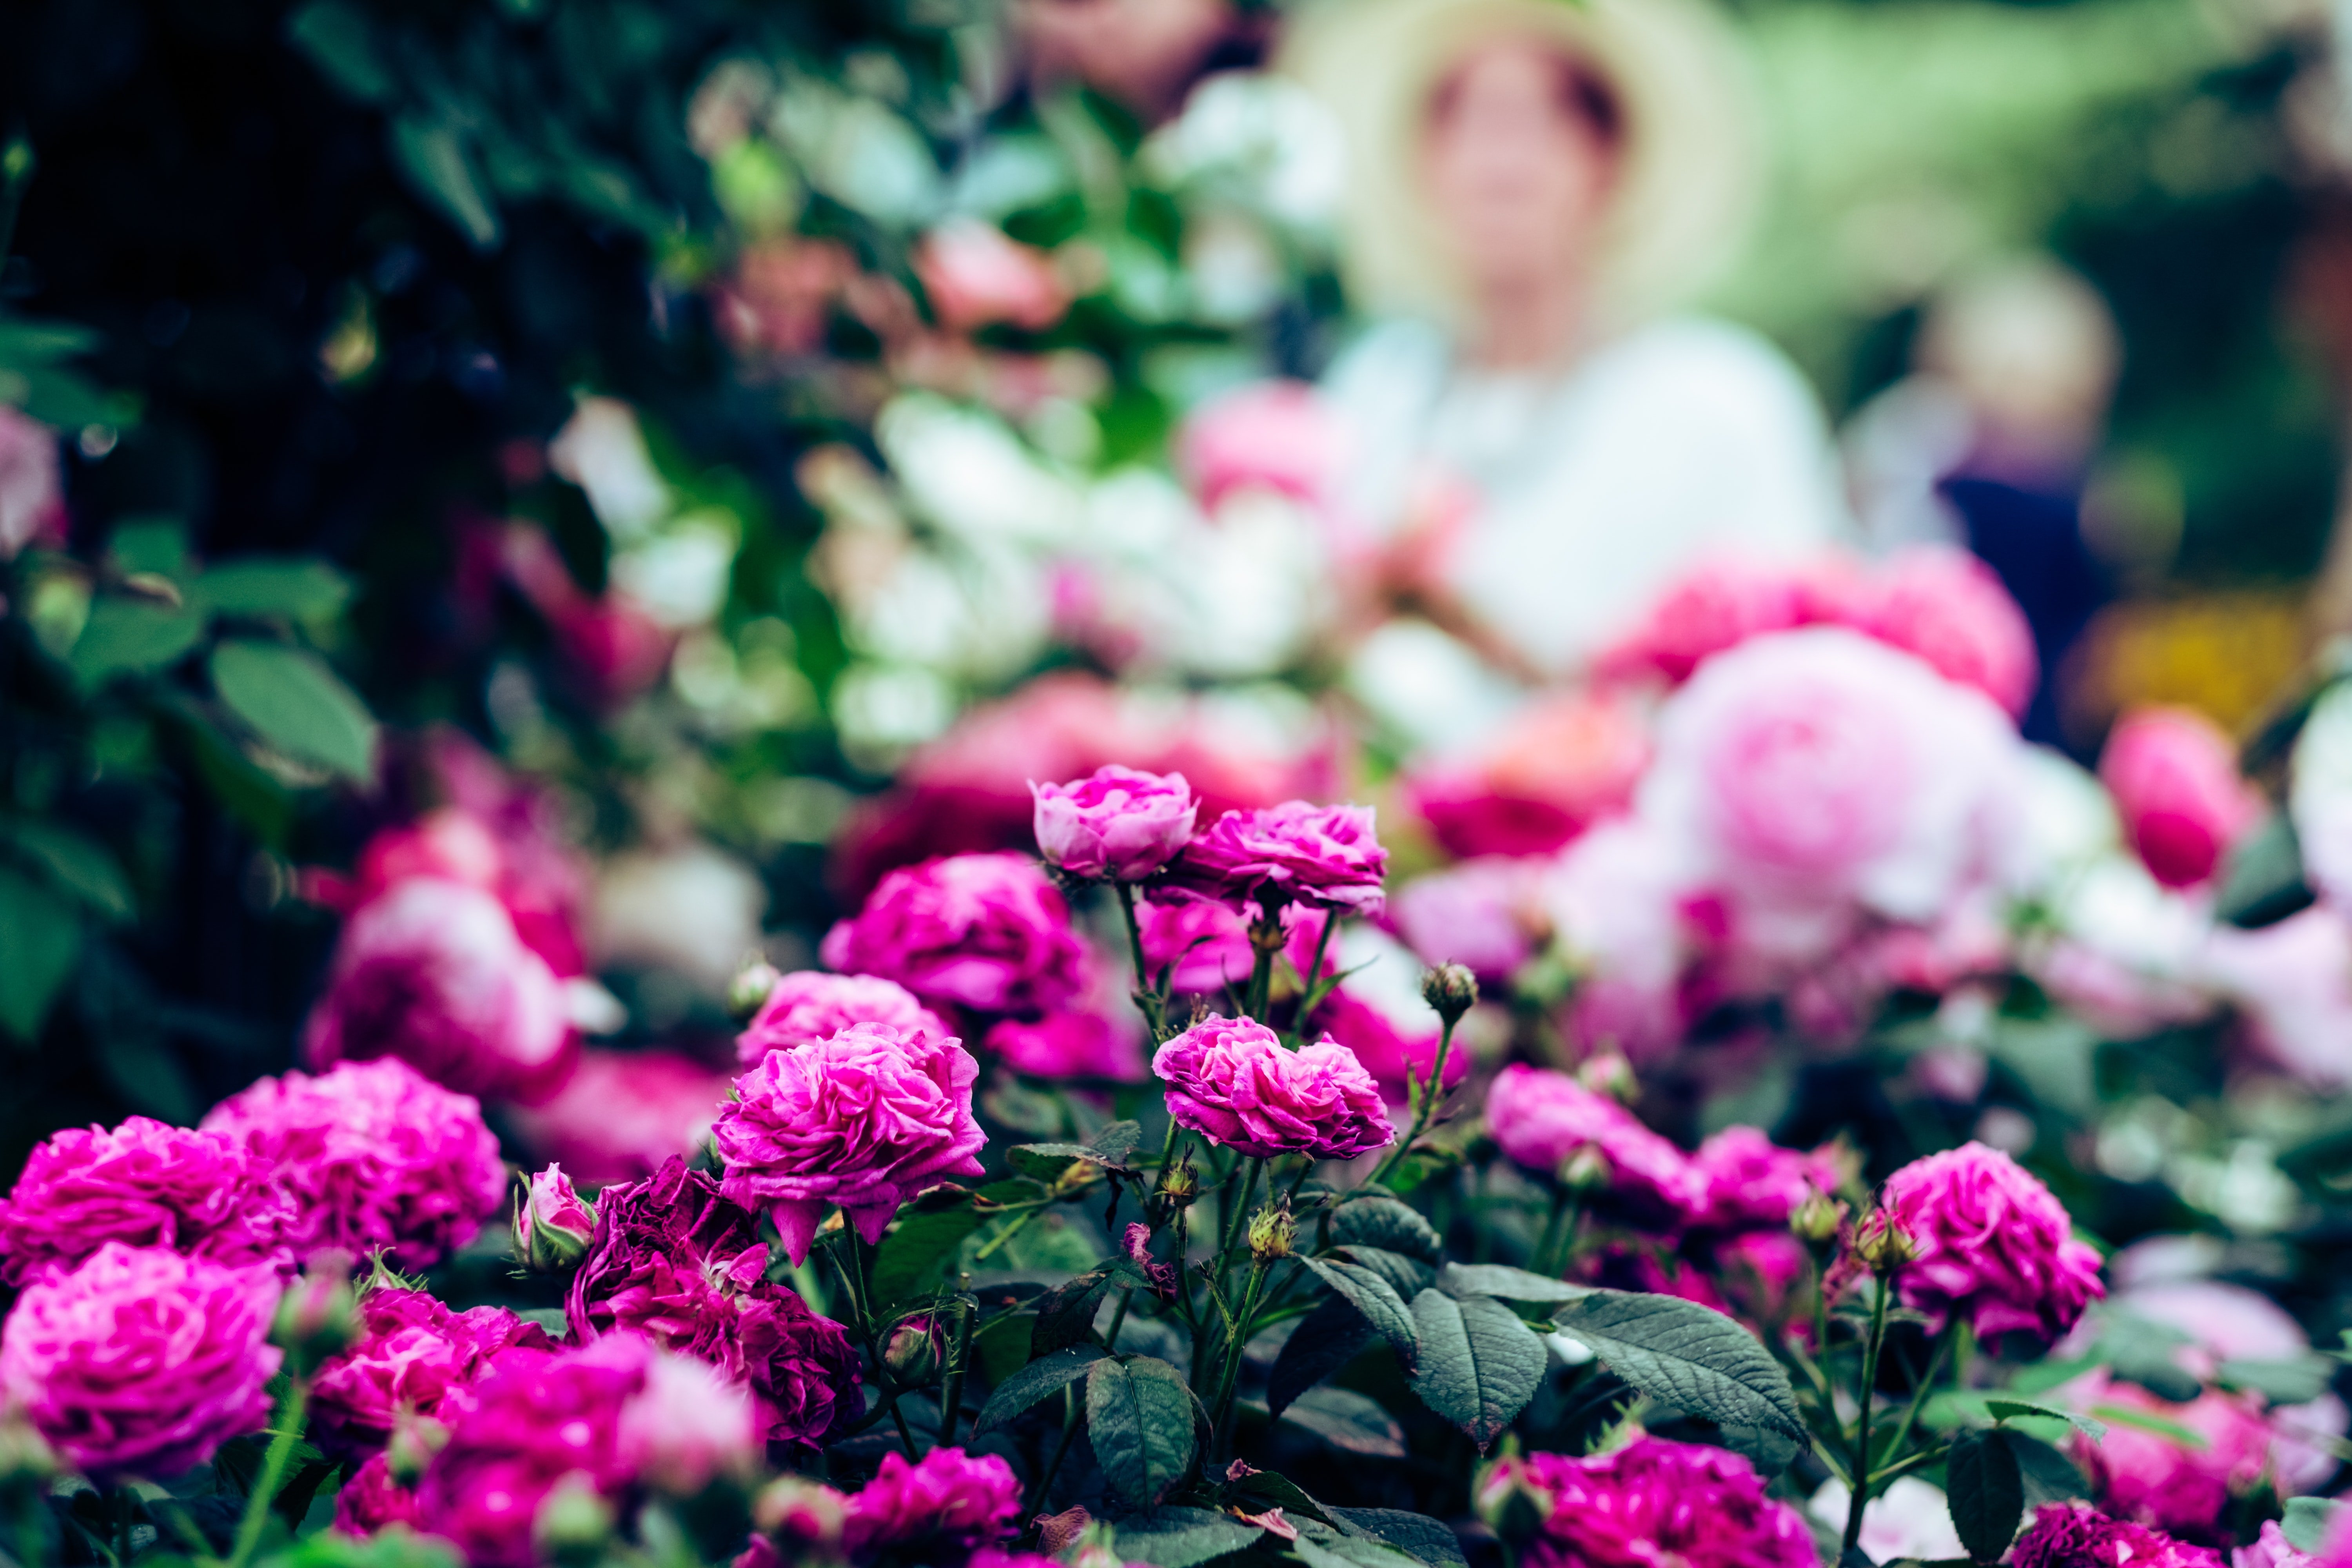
x=736 y=446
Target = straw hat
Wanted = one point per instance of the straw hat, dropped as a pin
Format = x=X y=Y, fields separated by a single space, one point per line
x=1693 y=152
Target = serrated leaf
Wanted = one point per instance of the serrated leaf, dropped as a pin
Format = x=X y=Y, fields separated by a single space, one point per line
x=294 y=587
x=1479 y=1364
x=1693 y=1357
x=2309 y=1522
x=1040 y=1379
x=1385 y=1223
x=1175 y=1537
x=131 y=637
x=1986 y=1491
x=297 y=704
x=1408 y=1276
x=74 y=863
x=2005 y=1409
x=1326 y=1340
x=1431 y=1540
x=2050 y=1476
x=914 y=1259
x=1378 y=1300
x=1510 y=1284
x=40 y=937
x=1348 y=1421
x=1140 y=1420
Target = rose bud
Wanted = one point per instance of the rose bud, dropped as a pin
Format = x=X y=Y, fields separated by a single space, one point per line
x=1271 y=1233
x=1817 y=1219
x=1451 y=990
x=1884 y=1245
x=749 y=990
x=912 y=1356
x=318 y=1315
x=553 y=1224
x=573 y=1522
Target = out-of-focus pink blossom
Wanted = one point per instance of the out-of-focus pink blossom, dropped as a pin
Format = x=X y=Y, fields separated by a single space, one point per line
x=622 y=1113
x=411 y=1354
x=1231 y=1080
x=865 y=1120
x=32 y=502
x=612 y=648
x=1560 y=766
x=1619 y=904
x=1941 y=603
x=2174 y=777
x=1323 y=857
x=2074 y=1535
x=687 y=1424
x=2291 y=984
x=1117 y=823
x=1487 y=914
x=2272 y=1549
x=1273 y=435
x=1077 y=1043
x=1385 y=1048
x=201 y=1194
x=1653 y=1501
x=1991 y=1243
x=2156 y=1479
x=1720 y=604
x=975 y=276
x=1205 y=946
x=985 y=931
x=370 y=1500
x=947 y=1502
x=1752 y=1182
x=1542 y=1119
x=810 y=1004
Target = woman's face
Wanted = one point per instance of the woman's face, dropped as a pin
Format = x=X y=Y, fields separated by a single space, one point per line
x=1517 y=172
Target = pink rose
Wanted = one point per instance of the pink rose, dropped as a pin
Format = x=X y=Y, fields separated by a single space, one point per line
x=1115 y=823
x=974 y=277
x=688 y=1424
x=2156 y=1478
x=1991 y=1243
x=375 y=1157
x=1560 y=765
x=1541 y=1119
x=1752 y=1182
x=1205 y=946
x=552 y=1223
x=1949 y=609
x=1619 y=909
x=810 y=1004
x=140 y=1362
x=2272 y=1549
x=2074 y=1535
x=1719 y=606
x=947 y=1502
x=32 y=502
x=202 y=1194
x=1486 y=914
x=2224 y=1322
x=1272 y=434
x=985 y=931
x=622 y=1113
x=412 y=1353
x=2292 y=984
x=433 y=972
x=1231 y=1080
x=1072 y=1044
x=1324 y=857
x=1653 y=1501
x=2174 y=777
x=865 y=1120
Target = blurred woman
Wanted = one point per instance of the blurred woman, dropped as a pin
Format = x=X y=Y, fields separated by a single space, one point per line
x=1539 y=443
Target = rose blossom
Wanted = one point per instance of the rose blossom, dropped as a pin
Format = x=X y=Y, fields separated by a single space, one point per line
x=552 y=1223
x=2272 y=1549
x=1321 y=855
x=1231 y=1080
x=1991 y=1243
x=1941 y=603
x=947 y=1502
x=2159 y=1480
x=865 y=1120
x=1204 y=946
x=1556 y=768
x=1654 y=1501
x=411 y=1351
x=1487 y=914
x=1620 y=912
x=1718 y=605
x=974 y=277
x=1273 y=435
x=1753 y=1182
x=2291 y=982
x=1541 y=1119
x=2072 y=1535
x=374 y=1156
x=688 y=1424
x=622 y=1113
x=2174 y=778
x=140 y=1362
x=681 y=1264
x=202 y=1194
x=1116 y=823
x=987 y=931
x=370 y=1500
x=32 y=504
x=1073 y=1043
x=811 y=1004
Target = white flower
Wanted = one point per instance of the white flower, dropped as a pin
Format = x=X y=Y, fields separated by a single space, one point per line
x=693 y=909
x=602 y=450
x=679 y=576
x=1270 y=139
x=964 y=471
x=1910 y=1519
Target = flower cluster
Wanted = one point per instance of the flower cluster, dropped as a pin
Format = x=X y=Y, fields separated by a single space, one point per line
x=200 y=1192
x=1653 y=1502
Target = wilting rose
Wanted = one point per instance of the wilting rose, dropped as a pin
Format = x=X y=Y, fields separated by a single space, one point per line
x=2174 y=777
x=1232 y=1081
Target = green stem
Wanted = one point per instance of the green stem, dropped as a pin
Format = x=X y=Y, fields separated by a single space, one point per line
x=1265 y=941
x=1242 y=1329
x=905 y=1433
x=1871 y=1348
x=952 y=1383
x=1563 y=1214
x=1069 y=1430
x=1118 y=1320
x=1316 y=990
x=1424 y=1102
x=288 y=1433
x=1147 y=995
x=1925 y=1385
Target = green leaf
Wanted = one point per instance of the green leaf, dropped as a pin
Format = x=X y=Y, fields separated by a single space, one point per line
x=338 y=41
x=1694 y=1358
x=2309 y=1522
x=1183 y=1537
x=297 y=704
x=1139 y=1419
x=434 y=158
x=2296 y=1381
x=2050 y=1476
x=149 y=542
x=294 y=587
x=130 y=637
x=40 y=937
x=1326 y=1340
x=914 y=1259
x=1113 y=1148
x=1045 y=1376
x=1431 y=1540
x=1408 y=1276
x=1479 y=1364
x=1377 y=1300
x=1987 y=1492
x=74 y=863
x=1511 y=1284
x=1350 y=1422
x=1066 y=1314
x=1385 y=1223
x=2006 y=1409
x=2124 y=1415
x=1328 y=1548
x=26 y=340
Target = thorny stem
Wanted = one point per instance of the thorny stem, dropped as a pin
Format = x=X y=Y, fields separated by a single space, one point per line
x=1871 y=1348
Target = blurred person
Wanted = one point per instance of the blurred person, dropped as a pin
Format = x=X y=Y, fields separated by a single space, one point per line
x=1987 y=444
x=1142 y=54
x=1537 y=441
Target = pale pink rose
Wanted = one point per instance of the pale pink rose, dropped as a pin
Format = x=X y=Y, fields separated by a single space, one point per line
x=1271 y=435
x=1560 y=765
x=1542 y=1119
x=2174 y=776
x=32 y=501
x=1720 y=604
x=1116 y=823
x=975 y=276
x=622 y=1114
x=1231 y=1080
x=2291 y=984
x=811 y=1004
x=432 y=971
x=1619 y=904
x=1991 y=1243
x=687 y=1424
x=1941 y=603
x=2225 y=1323
x=1486 y=914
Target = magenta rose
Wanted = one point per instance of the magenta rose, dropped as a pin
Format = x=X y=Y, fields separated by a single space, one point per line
x=2272 y=1549
x=1324 y=857
x=2156 y=1479
x=622 y=1113
x=432 y=971
x=1116 y=823
x=1717 y=607
x=1752 y=1183
x=810 y=1004
x=688 y=1425
x=2174 y=778
x=2072 y=1536
x=1653 y=1501
x=140 y=1362
x=1074 y=1044
x=202 y=1194
x=370 y=1500
x=411 y=1351
x=681 y=1264
x=948 y=1502
x=1541 y=1119
x=865 y=1120
x=1231 y=1080
x=1204 y=947
x=1993 y=1243
x=1940 y=603
x=552 y=1223
x=374 y=1155
x=986 y=931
